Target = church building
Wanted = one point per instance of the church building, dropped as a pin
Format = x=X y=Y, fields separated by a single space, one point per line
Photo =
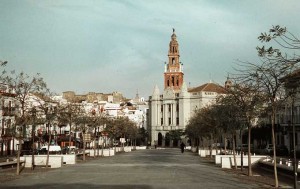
x=172 y=109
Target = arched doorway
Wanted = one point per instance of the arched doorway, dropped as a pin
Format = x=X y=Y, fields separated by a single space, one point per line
x=159 y=142
x=167 y=139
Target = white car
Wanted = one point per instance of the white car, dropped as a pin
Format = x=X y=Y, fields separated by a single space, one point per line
x=52 y=149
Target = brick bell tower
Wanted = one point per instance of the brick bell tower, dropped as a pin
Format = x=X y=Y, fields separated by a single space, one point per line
x=174 y=68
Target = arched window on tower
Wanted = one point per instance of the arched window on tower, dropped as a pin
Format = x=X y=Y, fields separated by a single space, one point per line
x=173 y=61
x=168 y=83
x=173 y=80
x=177 y=82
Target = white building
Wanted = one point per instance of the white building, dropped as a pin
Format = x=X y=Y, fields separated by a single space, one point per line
x=7 y=119
x=172 y=109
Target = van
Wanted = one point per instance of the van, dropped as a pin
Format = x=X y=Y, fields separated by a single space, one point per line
x=52 y=149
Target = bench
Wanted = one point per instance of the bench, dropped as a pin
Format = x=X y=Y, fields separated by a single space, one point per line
x=10 y=164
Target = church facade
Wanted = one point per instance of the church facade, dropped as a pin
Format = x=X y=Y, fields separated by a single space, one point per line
x=172 y=109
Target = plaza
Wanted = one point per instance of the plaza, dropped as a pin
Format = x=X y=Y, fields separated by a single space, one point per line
x=145 y=169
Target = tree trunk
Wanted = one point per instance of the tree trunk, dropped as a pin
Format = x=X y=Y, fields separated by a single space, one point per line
x=48 y=151
x=225 y=145
x=274 y=147
x=18 y=156
x=83 y=155
x=32 y=136
x=69 y=149
x=233 y=148
x=249 y=149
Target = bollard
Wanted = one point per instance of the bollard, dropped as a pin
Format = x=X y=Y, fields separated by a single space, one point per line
x=272 y=160
x=298 y=164
x=253 y=154
x=280 y=162
x=7 y=160
x=289 y=163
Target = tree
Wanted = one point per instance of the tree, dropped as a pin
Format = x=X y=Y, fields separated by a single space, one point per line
x=142 y=136
x=48 y=108
x=81 y=122
x=24 y=85
x=265 y=76
x=276 y=65
x=175 y=135
x=202 y=126
x=67 y=114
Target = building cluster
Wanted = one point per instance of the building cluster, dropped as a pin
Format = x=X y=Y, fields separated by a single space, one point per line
x=108 y=105
x=172 y=108
x=166 y=111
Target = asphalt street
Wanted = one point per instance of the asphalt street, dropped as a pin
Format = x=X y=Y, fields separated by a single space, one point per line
x=144 y=169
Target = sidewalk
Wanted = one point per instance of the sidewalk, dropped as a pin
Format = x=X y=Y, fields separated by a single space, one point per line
x=262 y=176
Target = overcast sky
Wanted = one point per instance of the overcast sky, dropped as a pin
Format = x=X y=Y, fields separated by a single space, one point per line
x=121 y=45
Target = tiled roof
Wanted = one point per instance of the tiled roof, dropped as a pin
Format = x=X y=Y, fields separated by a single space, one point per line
x=209 y=87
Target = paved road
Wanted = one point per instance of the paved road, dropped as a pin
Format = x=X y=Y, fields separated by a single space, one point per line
x=145 y=169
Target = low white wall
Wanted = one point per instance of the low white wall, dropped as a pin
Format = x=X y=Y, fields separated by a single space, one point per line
x=228 y=161
x=194 y=149
x=69 y=159
x=206 y=152
x=218 y=158
x=127 y=149
x=55 y=161
x=141 y=147
x=108 y=152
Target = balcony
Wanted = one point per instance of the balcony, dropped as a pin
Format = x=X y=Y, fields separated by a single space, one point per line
x=8 y=111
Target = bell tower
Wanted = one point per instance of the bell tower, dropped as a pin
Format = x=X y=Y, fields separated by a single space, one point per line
x=173 y=74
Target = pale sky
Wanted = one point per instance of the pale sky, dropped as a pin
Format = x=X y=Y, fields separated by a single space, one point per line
x=121 y=45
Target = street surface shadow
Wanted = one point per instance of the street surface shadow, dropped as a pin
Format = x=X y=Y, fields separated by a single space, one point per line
x=78 y=185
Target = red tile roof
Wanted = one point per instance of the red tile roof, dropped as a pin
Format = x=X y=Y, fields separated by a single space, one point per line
x=209 y=87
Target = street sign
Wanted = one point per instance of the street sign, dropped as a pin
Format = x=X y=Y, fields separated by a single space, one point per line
x=122 y=140
x=87 y=137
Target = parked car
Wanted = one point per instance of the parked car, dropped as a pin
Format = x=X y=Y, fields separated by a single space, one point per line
x=217 y=145
x=268 y=149
x=28 y=152
x=52 y=149
x=243 y=146
x=73 y=150
x=281 y=150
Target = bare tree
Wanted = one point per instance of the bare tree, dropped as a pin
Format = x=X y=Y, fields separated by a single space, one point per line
x=24 y=85
x=266 y=75
x=67 y=113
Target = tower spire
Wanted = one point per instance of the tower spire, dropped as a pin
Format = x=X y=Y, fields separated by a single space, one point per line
x=173 y=69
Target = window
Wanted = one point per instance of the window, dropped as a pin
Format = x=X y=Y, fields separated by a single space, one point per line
x=161 y=108
x=177 y=107
x=169 y=107
x=177 y=121
x=169 y=121
x=173 y=80
x=161 y=121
